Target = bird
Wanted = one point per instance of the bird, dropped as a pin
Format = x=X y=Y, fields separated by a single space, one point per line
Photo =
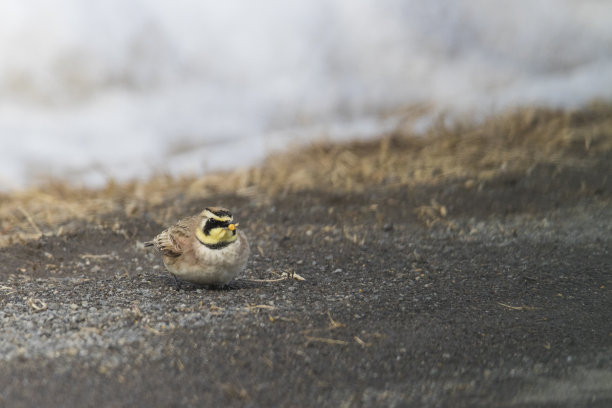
x=205 y=249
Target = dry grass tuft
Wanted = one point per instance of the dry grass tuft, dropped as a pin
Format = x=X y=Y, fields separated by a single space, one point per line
x=509 y=142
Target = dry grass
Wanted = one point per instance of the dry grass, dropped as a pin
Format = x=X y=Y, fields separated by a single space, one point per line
x=509 y=142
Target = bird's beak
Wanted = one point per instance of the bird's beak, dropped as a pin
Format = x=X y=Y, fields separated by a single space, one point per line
x=232 y=227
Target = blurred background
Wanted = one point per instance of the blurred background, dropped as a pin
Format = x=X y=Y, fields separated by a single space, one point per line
x=128 y=89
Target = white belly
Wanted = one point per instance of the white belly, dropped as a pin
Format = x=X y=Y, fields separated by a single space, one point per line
x=214 y=266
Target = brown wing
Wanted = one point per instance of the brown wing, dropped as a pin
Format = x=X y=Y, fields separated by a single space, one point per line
x=174 y=240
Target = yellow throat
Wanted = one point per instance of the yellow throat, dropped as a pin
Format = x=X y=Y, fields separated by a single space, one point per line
x=217 y=236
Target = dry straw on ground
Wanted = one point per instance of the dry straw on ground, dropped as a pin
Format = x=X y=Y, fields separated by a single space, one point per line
x=473 y=151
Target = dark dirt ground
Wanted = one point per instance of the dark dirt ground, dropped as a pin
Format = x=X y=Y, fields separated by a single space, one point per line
x=453 y=293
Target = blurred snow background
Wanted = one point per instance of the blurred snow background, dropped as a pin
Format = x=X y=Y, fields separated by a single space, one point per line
x=123 y=89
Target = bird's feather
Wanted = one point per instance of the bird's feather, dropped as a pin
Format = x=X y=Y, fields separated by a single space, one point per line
x=174 y=240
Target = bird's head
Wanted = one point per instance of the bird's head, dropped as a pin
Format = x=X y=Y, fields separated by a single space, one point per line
x=216 y=228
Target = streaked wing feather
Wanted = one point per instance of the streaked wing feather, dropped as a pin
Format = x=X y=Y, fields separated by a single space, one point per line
x=173 y=241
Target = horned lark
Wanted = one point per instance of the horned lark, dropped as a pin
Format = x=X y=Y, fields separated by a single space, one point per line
x=206 y=248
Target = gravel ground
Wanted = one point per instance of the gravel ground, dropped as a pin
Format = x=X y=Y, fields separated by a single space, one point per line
x=463 y=294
